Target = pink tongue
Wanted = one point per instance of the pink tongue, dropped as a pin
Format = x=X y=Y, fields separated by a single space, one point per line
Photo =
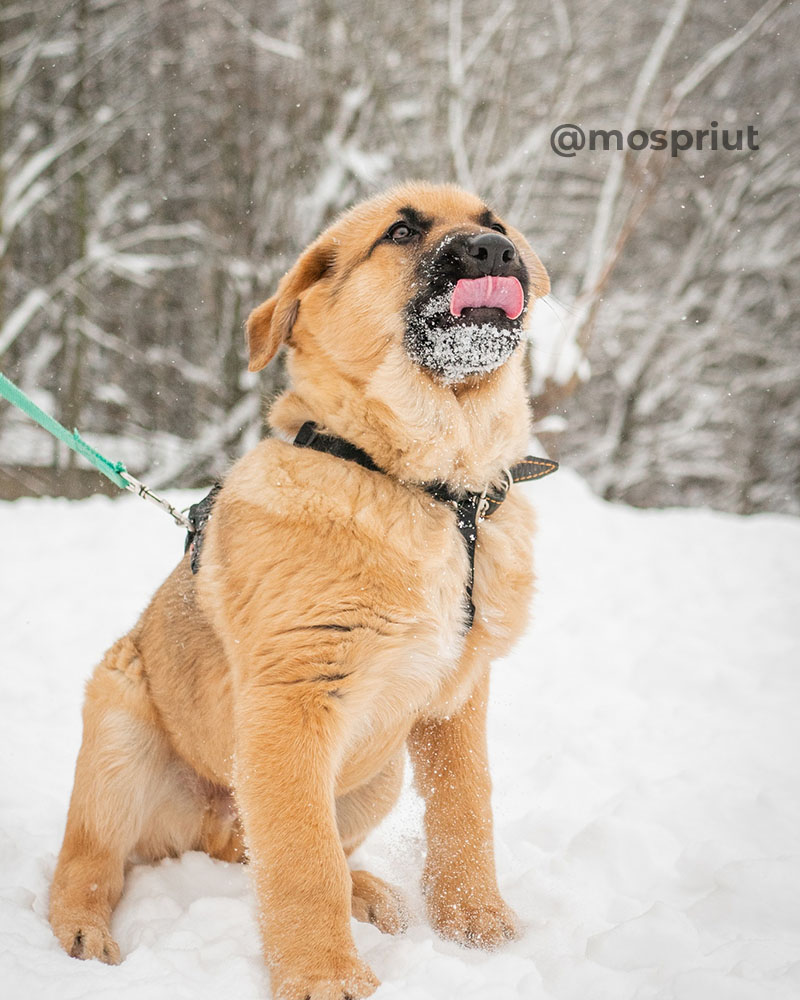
x=488 y=293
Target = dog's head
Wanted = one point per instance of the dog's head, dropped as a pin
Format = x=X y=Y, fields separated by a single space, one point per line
x=429 y=270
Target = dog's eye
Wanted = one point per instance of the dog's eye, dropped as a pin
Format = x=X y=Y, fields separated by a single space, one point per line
x=498 y=228
x=401 y=233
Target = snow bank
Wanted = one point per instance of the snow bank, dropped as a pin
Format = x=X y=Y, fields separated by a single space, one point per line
x=644 y=742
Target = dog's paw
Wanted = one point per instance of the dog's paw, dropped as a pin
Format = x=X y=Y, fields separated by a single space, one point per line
x=89 y=940
x=376 y=902
x=350 y=982
x=473 y=922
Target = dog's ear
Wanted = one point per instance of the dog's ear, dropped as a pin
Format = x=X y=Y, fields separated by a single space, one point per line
x=270 y=324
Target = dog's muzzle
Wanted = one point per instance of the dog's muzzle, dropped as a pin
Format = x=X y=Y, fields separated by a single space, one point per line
x=467 y=320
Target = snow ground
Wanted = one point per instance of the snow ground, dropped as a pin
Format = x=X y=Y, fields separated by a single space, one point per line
x=644 y=742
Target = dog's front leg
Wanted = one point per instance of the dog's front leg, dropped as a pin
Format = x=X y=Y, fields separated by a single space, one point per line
x=452 y=775
x=289 y=738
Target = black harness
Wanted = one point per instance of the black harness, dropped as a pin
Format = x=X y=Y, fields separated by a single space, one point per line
x=198 y=515
x=470 y=507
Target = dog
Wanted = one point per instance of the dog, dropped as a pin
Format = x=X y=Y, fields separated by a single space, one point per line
x=340 y=614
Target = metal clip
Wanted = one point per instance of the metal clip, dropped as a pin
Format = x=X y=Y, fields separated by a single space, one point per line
x=484 y=503
x=142 y=491
x=483 y=506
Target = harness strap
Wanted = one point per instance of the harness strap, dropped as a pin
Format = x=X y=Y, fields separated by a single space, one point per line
x=467 y=518
x=198 y=516
x=309 y=437
x=471 y=508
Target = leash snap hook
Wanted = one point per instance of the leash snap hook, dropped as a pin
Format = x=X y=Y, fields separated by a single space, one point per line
x=134 y=486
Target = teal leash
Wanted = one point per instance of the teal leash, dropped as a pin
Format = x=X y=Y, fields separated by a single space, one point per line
x=115 y=471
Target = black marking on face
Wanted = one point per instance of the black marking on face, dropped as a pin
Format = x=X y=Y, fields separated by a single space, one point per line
x=417 y=220
x=489 y=220
x=420 y=223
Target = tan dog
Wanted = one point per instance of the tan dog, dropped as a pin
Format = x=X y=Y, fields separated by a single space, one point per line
x=268 y=699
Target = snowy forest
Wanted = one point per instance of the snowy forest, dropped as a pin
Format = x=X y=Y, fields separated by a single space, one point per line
x=162 y=162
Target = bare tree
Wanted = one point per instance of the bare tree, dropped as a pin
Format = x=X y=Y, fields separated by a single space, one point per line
x=164 y=162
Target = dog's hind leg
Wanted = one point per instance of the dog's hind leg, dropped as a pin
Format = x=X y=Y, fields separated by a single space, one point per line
x=221 y=832
x=374 y=901
x=379 y=903
x=361 y=809
x=124 y=777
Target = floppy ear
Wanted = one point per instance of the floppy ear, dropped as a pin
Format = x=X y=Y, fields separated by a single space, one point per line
x=270 y=324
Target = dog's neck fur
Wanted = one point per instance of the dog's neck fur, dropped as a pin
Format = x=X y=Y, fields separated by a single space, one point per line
x=415 y=429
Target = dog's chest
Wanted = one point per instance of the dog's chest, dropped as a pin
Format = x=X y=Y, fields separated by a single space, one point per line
x=429 y=666
x=366 y=580
x=430 y=598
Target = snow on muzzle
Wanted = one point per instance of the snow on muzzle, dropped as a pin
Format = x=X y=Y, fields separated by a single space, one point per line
x=490 y=292
x=454 y=347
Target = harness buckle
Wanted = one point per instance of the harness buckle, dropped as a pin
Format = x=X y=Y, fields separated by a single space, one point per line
x=483 y=507
x=497 y=496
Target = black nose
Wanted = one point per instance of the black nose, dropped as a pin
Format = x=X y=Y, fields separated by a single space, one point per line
x=491 y=253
